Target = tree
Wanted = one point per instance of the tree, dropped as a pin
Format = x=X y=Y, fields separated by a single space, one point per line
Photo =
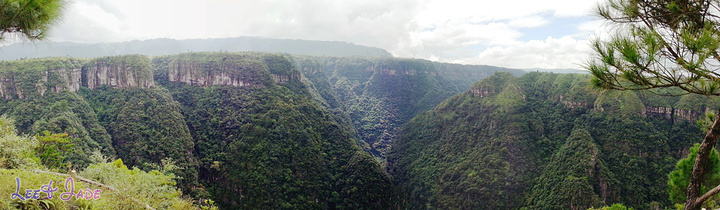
x=678 y=179
x=52 y=148
x=663 y=45
x=566 y=182
x=30 y=18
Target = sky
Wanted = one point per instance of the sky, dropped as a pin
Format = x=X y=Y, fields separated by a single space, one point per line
x=508 y=33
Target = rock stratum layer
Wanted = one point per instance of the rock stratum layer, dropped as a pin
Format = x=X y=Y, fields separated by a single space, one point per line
x=35 y=77
x=118 y=72
x=233 y=69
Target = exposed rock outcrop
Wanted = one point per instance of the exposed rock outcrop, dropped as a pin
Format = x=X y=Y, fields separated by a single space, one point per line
x=23 y=78
x=118 y=72
x=673 y=113
x=662 y=112
x=69 y=79
x=194 y=72
x=7 y=86
x=481 y=92
x=573 y=104
x=492 y=85
x=233 y=69
x=392 y=72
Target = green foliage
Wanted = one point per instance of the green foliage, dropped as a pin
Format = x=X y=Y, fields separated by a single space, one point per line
x=660 y=31
x=466 y=152
x=32 y=78
x=136 y=187
x=146 y=127
x=31 y=18
x=16 y=151
x=32 y=180
x=274 y=148
x=536 y=142
x=63 y=112
x=285 y=144
x=121 y=188
x=569 y=179
x=698 y=102
x=617 y=206
x=625 y=103
x=52 y=148
x=130 y=189
x=660 y=45
x=378 y=94
x=464 y=76
x=679 y=178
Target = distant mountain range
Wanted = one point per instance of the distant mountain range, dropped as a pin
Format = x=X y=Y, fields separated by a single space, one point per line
x=170 y=46
x=155 y=47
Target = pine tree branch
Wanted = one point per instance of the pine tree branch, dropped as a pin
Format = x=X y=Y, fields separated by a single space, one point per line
x=707 y=195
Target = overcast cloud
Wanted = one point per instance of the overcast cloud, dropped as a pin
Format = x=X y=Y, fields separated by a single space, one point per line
x=517 y=34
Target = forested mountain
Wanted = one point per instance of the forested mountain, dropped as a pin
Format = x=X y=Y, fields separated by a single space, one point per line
x=544 y=141
x=381 y=94
x=261 y=136
x=261 y=130
x=248 y=130
x=155 y=47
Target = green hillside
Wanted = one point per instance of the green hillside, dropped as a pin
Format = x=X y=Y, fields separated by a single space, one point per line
x=378 y=95
x=242 y=129
x=270 y=145
x=542 y=141
x=273 y=131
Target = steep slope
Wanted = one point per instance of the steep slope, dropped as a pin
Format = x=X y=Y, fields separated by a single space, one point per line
x=249 y=130
x=505 y=139
x=144 y=121
x=146 y=127
x=267 y=143
x=105 y=104
x=573 y=175
x=381 y=94
x=467 y=151
x=39 y=93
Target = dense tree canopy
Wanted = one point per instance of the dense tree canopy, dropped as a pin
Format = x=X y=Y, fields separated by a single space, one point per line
x=679 y=178
x=540 y=141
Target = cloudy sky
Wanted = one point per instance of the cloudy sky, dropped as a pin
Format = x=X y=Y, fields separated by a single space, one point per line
x=509 y=33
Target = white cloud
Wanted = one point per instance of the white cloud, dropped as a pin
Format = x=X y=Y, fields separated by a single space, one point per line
x=529 y=22
x=480 y=32
x=445 y=30
x=562 y=53
x=93 y=24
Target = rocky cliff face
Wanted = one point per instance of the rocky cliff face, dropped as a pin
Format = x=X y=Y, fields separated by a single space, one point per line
x=194 y=73
x=392 y=72
x=233 y=69
x=118 y=72
x=25 y=78
x=69 y=79
x=481 y=92
x=7 y=86
x=675 y=114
